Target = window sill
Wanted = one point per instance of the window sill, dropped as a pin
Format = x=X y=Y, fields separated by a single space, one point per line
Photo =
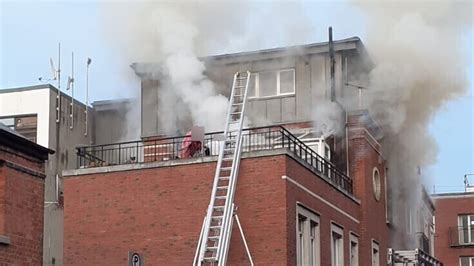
x=4 y=240
x=271 y=97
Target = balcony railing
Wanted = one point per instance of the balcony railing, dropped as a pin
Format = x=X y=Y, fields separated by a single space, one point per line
x=253 y=139
x=461 y=236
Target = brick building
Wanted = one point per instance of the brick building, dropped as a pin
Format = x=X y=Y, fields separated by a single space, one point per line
x=455 y=227
x=303 y=199
x=22 y=176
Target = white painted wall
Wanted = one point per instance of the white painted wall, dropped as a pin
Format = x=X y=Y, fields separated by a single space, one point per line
x=29 y=102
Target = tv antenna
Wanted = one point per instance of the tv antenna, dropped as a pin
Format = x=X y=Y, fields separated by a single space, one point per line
x=70 y=86
x=89 y=61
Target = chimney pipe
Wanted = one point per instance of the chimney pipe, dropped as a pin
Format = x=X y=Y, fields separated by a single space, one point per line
x=332 y=64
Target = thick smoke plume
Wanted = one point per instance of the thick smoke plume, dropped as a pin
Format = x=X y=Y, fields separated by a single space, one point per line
x=419 y=66
x=176 y=33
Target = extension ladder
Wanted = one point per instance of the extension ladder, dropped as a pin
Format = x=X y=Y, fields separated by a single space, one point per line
x=216 y=230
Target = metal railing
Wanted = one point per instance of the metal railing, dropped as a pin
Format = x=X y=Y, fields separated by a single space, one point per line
x=461 y=236
x=253 y=139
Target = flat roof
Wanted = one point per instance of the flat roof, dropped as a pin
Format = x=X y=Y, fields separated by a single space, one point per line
x=352 y=43
x=453 y=195
x=40 y=87
x=11 y=138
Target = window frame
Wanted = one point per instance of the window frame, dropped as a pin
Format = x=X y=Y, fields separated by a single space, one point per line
x=337 y=230
x=375 y=246
x=470 y=229
x=353 y=238
x=376 y=184
x=470 y=260
x=303 y=256
x=278 y=92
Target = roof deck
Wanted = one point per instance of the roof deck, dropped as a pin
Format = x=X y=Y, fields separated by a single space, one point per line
x=183 y=147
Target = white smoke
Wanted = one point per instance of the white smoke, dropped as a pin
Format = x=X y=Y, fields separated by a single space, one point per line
x=419 y=66
x=176 y=33
x=328 y=118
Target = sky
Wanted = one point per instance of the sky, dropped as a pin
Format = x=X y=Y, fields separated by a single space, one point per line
x=30 y=33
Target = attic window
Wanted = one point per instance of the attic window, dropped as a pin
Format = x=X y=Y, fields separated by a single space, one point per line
x=272 y=83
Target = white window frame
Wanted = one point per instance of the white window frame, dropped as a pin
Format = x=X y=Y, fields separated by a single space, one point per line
x=375 y=246
x=353 y=258
x=278 y=88
x=471 y=260
x=338 y=230
x=470 y=229
x=316 y=249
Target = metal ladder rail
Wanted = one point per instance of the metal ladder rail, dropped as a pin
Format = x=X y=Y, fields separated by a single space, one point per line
x=208 y=220
x=229 y=209
x=203 y=248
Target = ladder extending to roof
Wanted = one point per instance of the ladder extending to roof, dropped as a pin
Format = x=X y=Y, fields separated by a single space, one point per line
x=216 y=231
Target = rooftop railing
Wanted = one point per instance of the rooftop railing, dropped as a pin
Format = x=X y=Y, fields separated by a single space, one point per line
x=182 y=147
x=461 y=236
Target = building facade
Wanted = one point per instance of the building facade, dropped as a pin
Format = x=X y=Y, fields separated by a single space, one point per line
x=302 y=198
x=22 y=175
x=295 y=207
x=455 y=228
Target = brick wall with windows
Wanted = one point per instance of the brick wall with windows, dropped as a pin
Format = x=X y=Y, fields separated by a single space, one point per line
x=367 y=169
x=454 y=223
x=21 y=199
x=158 y=211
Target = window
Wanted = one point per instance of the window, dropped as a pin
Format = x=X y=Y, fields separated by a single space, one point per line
x=308 y=234
x=466 y=229
x=466 y=261
x=376 y=183
x=375 y=254
x=23 y=125
x=337 y=248
x=272 y=83
x=354 y=250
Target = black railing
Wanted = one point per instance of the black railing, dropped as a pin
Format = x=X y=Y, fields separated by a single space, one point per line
x=461 y=236
x=174 y=148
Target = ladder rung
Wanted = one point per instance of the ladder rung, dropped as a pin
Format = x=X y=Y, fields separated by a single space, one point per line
x=235 y=113
x=223 y=187
x=219 y=207
x=226 y=168
x=224 y=177
x=212 y=248
x=221 y=197
x=228 y=159
x=237 y=103
x=217 y=217
x=213 y=237
x=242 y=78
x=239 y=95
x=239 y=87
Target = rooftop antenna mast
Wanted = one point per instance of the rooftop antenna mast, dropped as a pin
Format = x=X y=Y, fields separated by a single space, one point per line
x=70 y=85
x=58 y=97
x=89 y=61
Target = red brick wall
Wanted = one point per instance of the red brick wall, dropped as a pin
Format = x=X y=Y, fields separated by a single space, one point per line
x=159 y=212
x=446 y=215
x=327 y=214
x=21 y=208
x=363 y=157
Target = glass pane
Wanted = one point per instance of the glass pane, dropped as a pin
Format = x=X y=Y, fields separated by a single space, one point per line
x=252 y=84
x=465 y=261
x=287 y=81
x=7 y=121
x=267 y=84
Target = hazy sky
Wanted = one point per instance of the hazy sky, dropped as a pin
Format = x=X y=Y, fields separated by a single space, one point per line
x=30 y=32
